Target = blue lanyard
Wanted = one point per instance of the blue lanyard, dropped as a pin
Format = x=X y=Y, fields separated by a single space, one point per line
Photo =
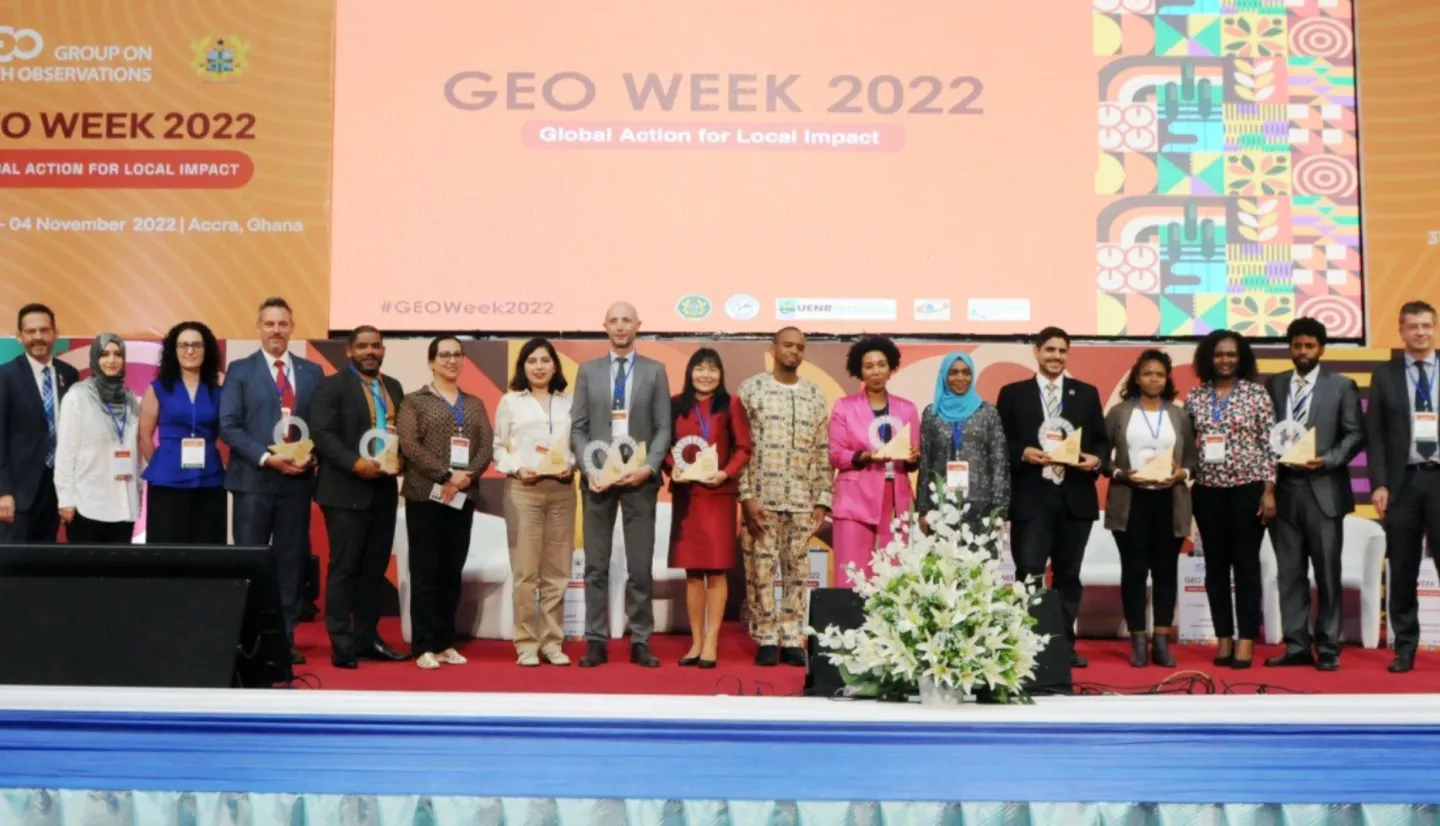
x=193 y=404
x=1159 y=422
x=457 y=409
x=702 y=415
x=1426 y=391
x=957 y=436
x=1216 y=408
x=118 y=421
x=382 y=410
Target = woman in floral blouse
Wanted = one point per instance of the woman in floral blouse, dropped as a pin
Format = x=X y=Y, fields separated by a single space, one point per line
x=1234 y=494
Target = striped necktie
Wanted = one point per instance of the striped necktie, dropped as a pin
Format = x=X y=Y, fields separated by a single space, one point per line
x=1052 y=410
x=47 y=396
x=1301 y=406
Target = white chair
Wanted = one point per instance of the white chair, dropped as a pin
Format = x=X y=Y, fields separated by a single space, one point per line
x=487 y=610
x=1362 y=561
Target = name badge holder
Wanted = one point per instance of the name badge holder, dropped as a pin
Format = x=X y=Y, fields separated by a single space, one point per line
x=1213 y=448
x=122 y=464
x=957 y=476
x=192 y=453
x=619 y=424
x=459 y=452
x=1426 y=429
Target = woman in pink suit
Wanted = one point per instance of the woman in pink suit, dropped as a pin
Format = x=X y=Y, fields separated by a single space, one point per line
x=869 y=494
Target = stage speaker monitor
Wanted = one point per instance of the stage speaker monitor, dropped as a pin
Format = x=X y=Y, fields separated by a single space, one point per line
x=844 y=609
x=141 y=615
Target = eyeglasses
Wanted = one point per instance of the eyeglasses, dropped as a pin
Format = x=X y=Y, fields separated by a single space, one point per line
x=190 y=345
x=449 y=356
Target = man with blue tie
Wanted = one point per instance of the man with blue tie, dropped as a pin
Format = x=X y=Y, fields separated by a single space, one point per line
x=271 y=493
x=1404 y=466
x=31 y=387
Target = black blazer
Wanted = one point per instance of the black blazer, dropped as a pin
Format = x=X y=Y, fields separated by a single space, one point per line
x=1022 y=412
x=1334 y=412
x=24 y=433
x=339 y=416
x=1387 y=427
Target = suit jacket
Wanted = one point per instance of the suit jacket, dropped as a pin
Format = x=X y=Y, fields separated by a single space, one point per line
x=1022 y=412
x=1387 y=427
x=1117 y=501
x=650 y=420
x=860 y=488
x=249 y=411
x=1334 y=412
x=341 y=415
x=24 y=432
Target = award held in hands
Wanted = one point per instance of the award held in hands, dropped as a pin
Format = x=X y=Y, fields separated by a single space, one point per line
x=292 y=440
x=1292 y=443
x=1157 y=470
x=606 y=462
x=381 y=446
x=547 y=457
x=897 y=449
x=1060 y=440
x=705 y=464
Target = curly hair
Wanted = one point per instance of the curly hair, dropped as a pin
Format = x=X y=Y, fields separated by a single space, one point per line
x=169 y=372
x=871 y=344
x=1205 y=356
x=1131 y=390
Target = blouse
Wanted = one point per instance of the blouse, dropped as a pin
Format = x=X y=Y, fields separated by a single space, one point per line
x=729 y=432
x=982 y=445
x=85 y=445
x=1243 y=421
x=789 y=471
x=520 y=419
x=178 y=418
x=426 y=425
x=1148 y=436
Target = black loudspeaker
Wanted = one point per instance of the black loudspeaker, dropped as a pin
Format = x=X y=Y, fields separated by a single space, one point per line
x=844 y=609
x=141 y=615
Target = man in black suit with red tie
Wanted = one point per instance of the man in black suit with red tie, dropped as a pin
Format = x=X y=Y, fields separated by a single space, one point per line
x=1053 y=506
x=1403 y=459
x=31 y=387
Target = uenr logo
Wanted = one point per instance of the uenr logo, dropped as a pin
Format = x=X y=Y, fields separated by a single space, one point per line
x=19 y=44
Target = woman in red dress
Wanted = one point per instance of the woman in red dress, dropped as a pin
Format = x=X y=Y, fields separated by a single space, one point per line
x=703 y=526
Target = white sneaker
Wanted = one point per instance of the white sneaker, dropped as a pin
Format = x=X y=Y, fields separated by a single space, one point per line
x=555 y=656
x=528 y=660
x=427 y=661
x=451 y=657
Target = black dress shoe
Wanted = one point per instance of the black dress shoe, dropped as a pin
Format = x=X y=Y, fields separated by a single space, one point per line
x=381 y=652
x=1328 y=662
x=1077 y=661
x=793 y=656
x=706 y=663
x=641 y=656
x=343 y=661
x=296 y=658
x=1290 y=658
x=595 y=654
x=1139 y=655
x=1403 y=662
x=689 y=661
x=1225 y=659
x=768 y=655
x=1160 y=651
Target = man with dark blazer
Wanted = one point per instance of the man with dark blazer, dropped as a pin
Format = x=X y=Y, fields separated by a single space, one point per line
x=271 y=493
x=1053 y=507
x=1312 y=500
x=31 y=387
x=621 y=393
x=1404 y=465
x=357 y=496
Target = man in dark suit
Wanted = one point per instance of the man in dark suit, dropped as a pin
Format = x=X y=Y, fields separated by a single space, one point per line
x=31 y=387
x=272 y=493
x=357 y=495
x=1052 y=506
x=1404 y=466
x=1312 y=500
x=621 y=393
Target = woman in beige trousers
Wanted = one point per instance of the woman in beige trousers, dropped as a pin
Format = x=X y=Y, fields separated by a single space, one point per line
x=532 y=428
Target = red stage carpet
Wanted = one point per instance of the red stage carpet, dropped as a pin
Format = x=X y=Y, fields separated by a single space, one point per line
x=492 y=668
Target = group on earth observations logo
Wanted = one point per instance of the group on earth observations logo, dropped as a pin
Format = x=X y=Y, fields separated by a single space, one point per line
x=20 y=44
x=693 y=307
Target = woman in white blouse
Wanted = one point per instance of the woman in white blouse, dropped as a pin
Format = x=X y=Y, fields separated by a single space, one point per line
x=1148 y=508
x=97 y=477
x=532 y=430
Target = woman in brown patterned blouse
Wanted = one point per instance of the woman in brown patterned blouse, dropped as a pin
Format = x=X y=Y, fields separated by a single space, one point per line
x=1234 y=494
x=446 y=440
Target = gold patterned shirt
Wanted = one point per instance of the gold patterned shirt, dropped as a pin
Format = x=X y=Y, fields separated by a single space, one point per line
x=790 y=469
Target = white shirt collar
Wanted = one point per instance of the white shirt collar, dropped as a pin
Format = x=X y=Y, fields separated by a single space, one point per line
x=1044 y=382
x=629 y=357
x=270 y=361
x=1411 y=361
x=36 y=367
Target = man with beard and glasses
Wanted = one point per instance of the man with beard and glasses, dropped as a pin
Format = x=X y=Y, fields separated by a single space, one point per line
x=358 y=495
x=271 y=493
x=1311 y=500
x=31 y=387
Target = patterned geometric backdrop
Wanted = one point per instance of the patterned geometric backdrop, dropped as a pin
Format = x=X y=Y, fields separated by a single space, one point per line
x=1228 y=169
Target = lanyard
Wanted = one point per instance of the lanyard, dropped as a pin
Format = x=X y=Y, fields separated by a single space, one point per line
x=457 y=409
x=1426 y=391
x=118 y=421
x=1159 y=422
x=702 y=415
x=194 y=404
x=957 y=436
x=382 y=410
x=1217 y=409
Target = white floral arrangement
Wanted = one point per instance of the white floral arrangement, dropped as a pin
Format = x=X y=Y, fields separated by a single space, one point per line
x=939 y=616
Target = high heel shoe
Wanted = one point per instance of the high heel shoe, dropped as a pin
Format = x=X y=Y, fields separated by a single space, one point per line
x=1235 y=661
x=1223 y=659
x=689 y=661
x=1138 y=658
x=706 y=663
x=1160 y=650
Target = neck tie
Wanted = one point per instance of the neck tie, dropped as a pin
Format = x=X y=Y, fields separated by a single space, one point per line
x=287 y=393
x=1052 y=409
x=1423 y=404
x=621 y=377
x=47 y=397
x=1302 y=401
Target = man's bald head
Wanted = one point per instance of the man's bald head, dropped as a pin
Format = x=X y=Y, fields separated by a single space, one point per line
x=622 y=322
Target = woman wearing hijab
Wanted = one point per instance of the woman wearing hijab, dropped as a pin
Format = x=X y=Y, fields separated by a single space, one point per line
x=962 y=447
x=97 y=478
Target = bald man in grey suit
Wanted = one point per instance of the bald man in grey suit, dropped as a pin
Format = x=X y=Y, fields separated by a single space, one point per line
x=625 y=393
